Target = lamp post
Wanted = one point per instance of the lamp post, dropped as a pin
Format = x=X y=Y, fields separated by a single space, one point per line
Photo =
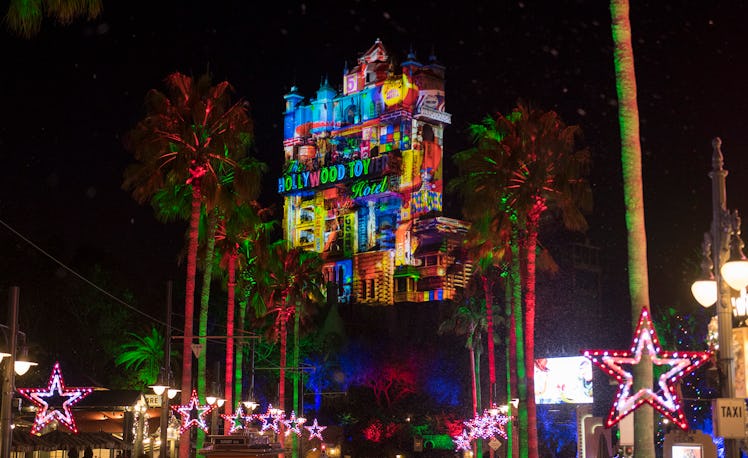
x=725 y=265
x=14 y=366
x=164 y=389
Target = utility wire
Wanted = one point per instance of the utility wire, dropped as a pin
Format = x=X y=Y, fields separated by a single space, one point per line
x=64 y=266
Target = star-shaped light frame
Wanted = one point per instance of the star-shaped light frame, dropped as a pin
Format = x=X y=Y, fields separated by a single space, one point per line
x=270 y=420
x=193 y=414
x=315 y=430
x=664 y=399
x=45 y=413
x=237 y=419
x=293 y=424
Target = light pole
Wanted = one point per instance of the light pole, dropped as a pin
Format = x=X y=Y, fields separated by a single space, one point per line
x=164 y=389
x=726 y=265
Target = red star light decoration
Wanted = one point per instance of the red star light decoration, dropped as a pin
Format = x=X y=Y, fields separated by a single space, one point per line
x=193 y=414
x=315 y=430
x=44 y=399
x=664 y=399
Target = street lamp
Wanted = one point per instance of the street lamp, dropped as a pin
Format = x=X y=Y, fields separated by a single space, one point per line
x=162 y=388
x=724 y=263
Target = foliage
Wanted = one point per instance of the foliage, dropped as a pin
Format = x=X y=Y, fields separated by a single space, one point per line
x=143 y=355
x=24 y=17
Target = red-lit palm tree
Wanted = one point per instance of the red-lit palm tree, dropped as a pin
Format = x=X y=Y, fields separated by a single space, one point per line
x=185 y=135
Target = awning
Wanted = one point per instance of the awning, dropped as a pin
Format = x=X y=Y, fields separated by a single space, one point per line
x=60 y=440
x=24 y=441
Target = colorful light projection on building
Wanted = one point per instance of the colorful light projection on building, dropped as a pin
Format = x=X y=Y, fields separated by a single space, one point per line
x=361 y=168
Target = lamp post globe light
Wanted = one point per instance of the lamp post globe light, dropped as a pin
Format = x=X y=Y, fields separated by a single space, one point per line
x=724 y=266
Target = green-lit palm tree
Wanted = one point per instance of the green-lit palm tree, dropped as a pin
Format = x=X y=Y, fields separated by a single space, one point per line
x=234 y=228
x=291 y=280
x=24 y=17
x=522 y=165
x=143 y=355
x=186 y=134
x=468 y=318
x=253 y=254
x=633 y=196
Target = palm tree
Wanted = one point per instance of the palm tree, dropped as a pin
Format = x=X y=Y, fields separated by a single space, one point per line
x=522 y=165
x=291 y=280
x=633 y=196
x=184 y=137
x=234 y=228
x=143 y=355
x=469 y=319
x=253 y=254
x=25 y=17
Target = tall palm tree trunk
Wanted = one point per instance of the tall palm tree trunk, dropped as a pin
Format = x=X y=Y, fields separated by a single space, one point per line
x=633 y=195
x=474 y=377
x=531 y=244
x=478 y=452
x=511 y=365
x=519 y=340
x=296 y=375
x=228 y=385
x=238 y=368
x=488 y=294
x=282 y=373
x=189 y=311
x=202 y=359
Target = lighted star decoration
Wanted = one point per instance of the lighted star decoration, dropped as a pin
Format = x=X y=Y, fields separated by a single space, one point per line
x=664 y=398
x=315 y=430
x=270 y=420
x=47 y=401
x=193 y=414
x=462 y=441
x=293 y=424
x=237 y=419
x=487 y=425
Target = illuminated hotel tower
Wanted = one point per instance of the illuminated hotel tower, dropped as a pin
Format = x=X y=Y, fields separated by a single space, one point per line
x=362 y=183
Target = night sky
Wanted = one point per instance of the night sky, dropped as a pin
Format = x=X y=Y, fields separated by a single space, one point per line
x=72 y=92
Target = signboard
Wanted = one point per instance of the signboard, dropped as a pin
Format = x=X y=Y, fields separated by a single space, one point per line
x=728 y=415
x=153 y=400
x=329 y=175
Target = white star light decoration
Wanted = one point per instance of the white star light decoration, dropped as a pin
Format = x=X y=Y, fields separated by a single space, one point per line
x=315 y=430
x=293 y=424
x=482 y=426
x=193 y=414
x=237 y=419
x=46 y=413
x=270 y=420
x=664 y=399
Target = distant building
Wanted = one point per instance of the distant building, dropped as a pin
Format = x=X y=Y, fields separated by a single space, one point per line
x=362 y=183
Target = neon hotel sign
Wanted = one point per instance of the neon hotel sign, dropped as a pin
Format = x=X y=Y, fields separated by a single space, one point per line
x=329 y=175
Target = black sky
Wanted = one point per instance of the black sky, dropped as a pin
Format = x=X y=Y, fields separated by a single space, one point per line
x=70 y=94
